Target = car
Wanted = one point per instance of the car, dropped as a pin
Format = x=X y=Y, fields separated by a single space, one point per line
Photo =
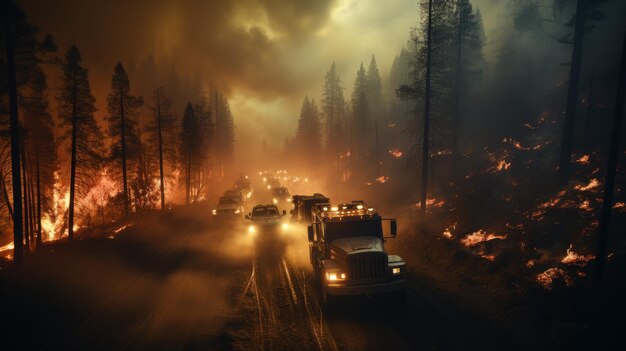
x=228 y=207
x=236 y=194
x=265 y=218
x=272 y=183
x=244 y=185
x=280 y=195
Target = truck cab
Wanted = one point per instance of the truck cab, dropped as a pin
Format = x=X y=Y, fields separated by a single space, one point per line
x=346 y=247
x=303 y=204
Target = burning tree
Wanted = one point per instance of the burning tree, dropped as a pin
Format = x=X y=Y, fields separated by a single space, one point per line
x=76 y=111
x=123 y=108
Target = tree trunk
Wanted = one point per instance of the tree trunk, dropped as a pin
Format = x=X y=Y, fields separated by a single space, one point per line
x=457 y=89
x=589 y=104
x=427 y=92
x=123 y=136
x=15 y=135
x=70 y=229
x=32 y=211
x=572 y=92
x=25 y=201
x=39 y=238
x=188 y=178
x=609 y=184
x=158 y=106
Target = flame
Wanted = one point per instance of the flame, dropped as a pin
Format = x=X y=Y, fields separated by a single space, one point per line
x=574 y=258
x=395 y=153
x=382 y=179
x=593 y=183
x=547 y=277
x=6 y=251
x=479 y=237
x=432 y=203
x=583 y=160
x=585 y=205
x=554 y=201
x=447 y=233
x=619 y=206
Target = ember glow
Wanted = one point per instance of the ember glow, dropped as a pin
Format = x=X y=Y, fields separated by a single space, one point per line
x=583 y=160
x=593 y=183
x=576 y=259
x=547 y=278
x=480 y=236
x=395 y=153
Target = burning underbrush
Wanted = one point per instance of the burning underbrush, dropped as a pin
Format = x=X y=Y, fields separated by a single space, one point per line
x=503 y=203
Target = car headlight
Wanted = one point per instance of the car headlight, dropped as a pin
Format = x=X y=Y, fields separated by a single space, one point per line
x=214 y=212
x=335 y=276
x=251 y=229
x=285 y=226
x=237 y=211
x=289 y=199
x=397 y=270
x=275 y=201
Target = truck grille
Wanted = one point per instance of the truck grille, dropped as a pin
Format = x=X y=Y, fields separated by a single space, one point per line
x=368 y=266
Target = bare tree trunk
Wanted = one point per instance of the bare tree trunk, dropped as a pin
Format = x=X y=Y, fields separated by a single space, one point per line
x=589 y=105
x=39 y=239
x=32 y=211
x=427 y=92
x=70 y=229
x=25 y=201
x=15 y=134
x=158 y=107
x=457 y=89
x=123 y=135
x=572 y=92
x=609 y=184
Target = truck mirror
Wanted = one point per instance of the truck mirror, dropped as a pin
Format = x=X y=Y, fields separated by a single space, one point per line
x=284 y=212
x=310 y=232
x=390 y=228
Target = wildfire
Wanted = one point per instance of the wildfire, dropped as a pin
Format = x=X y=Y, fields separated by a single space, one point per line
x=447 y=233
x=554 y=201
x=547 y=278
x=7 y=251
x=480 y=236
x=395 y=153
x=432 y=203
x=574 y=258
x=593 y=183
x=619 y=206
x=382 y=179
x=585 y=205
x=583 y=160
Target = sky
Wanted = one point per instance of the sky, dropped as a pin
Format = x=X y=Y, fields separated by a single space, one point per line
x=267 y=55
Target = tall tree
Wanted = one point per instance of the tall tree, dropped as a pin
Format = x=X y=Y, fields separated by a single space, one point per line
x=40 y=144
x=309 y=133
x=374 y=89
x=224 y=132
x=123 y=108
x=609 y=185
x=76 y=107
x=470 y=38
x=361 y=121
x=190 y=151
x=20 y=64
x=162 y=132
x=333 y=110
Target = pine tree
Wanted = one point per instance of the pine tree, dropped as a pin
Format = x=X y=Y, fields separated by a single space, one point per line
x=224 y=132
x=470 y=38
x=76 y=107
x=309 y=133
x=361 y=126
x=162 y=136
x=334 y=113
x=122 y=110
x=190 y=147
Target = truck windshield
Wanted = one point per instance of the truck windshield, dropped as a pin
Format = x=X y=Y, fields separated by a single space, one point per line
x=228 y=201
x=265 y=212
x=336 y=230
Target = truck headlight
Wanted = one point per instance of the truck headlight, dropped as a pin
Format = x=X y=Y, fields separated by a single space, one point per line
x=289 y=199
x=396 y=270
x=251 y=229
x=335 y=276
x=275 y=201
x=285 y=226
x=237 y=211
x=214 y=212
